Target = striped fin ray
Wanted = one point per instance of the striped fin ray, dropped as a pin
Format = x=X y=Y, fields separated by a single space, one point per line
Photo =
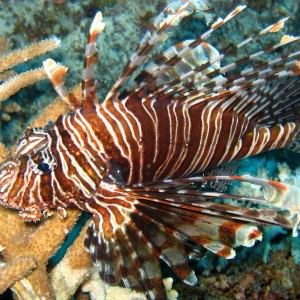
x=165 y=242
x=253 y=76
x=171 y=58
x=151 y=80
x=105 y=253
x=213 y=85
x=91 y=56
x=136 y=265
x=282 y=200
x=127 y=242
x=267 y=110
x=140 y=268
x=216 y=233
x=56 y=73
x=219 y=87
x=158 y=33
x=202 y=202
x=126 y=245
x=177 y=57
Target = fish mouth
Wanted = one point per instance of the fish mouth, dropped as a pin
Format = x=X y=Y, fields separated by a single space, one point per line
x=8 y=173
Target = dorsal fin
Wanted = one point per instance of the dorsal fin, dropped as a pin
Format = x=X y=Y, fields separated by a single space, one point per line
x=262 y=106
x=215 y=84
x=91 y=56
x=150 y=79
x=206 y=66
x=175 y=76
x=169 y=18
x=56 y=73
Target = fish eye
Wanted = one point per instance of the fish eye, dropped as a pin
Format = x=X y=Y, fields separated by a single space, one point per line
x=42 y=162
x=44 y=168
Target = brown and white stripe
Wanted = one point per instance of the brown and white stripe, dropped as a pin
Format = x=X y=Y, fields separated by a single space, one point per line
x=130 y=162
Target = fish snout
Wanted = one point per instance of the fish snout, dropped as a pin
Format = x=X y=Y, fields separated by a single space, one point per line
x=8 y=173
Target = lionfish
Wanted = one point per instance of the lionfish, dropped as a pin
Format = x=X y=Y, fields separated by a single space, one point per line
x=171 y=120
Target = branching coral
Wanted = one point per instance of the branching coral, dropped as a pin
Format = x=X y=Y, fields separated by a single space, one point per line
x=11 y=58
x=71 y=271
x=15 y=270
x=3 y=153
x=7 y=109
x=12 y=83
x=25 y=245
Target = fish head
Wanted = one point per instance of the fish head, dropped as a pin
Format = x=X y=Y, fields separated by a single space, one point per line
x=25 y=177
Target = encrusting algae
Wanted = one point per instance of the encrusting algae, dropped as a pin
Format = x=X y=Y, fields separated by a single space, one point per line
x=139 y=192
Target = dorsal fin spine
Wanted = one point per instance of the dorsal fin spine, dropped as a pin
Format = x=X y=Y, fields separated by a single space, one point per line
x=91 y=58
x=159 y=31
x=56 y=73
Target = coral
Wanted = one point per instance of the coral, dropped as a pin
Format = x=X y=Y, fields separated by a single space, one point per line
x=11 y=83
x=97 y=291
x=117 y=293
x=14 y=84
x=12 y=58
x=15 y=270
x=7 y=109
x=40 y=242
x=3 y=153
x=171 y=294
x=96 y=288
x=71 y=271
x=5 y=45
x=295 y=250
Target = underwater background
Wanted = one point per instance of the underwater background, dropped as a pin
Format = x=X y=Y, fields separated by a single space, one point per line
x=270 y=269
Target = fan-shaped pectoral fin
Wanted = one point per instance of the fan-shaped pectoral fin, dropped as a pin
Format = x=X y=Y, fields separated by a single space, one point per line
x=118 y=248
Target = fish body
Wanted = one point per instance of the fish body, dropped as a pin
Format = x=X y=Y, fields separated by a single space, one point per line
x=130 y=160
x=134 y=141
